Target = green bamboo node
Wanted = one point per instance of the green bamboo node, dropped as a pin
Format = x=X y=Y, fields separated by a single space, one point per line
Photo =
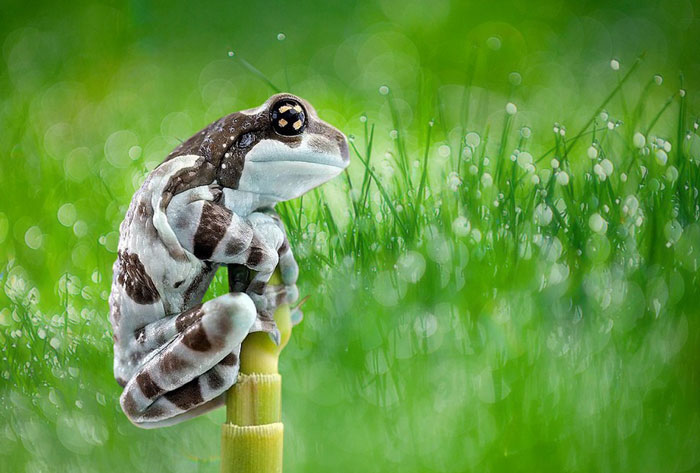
x=252 y=437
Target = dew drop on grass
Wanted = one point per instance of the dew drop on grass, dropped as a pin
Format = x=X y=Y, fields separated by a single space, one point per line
x=597 y=223
x=444 y=151
x=661 y=157
x=80 y=228
x=607 y=166
x=511 y=109
x=562 y=178
x=394 y=134
x=639 y=140
x=525 y=132
x=673 y=231
x=384 y=90
x=671 y=174
x=33 y=237
x=592 y=152
x=542 y=214
x=411 y=266
x=281 y=37
x=515 y=78
x=473 y=139
x=461 y=226
x=658 y=78
x=67 y=214
x=494 y=43
x=524 y=159
x=614 y=64
x=486 y=180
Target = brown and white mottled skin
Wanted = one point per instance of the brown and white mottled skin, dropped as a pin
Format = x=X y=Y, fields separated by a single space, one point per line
x=210 y=203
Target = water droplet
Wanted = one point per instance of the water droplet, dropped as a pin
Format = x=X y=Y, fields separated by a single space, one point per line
x=281 y=37
x=67 y=214
x=384 y=90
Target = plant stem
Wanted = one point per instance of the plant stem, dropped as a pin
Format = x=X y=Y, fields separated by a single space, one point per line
x=252 y=437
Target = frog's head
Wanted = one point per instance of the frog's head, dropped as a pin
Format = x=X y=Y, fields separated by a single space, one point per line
x=280 y=150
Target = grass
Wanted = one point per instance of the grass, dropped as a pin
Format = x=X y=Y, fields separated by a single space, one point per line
x=487 y=289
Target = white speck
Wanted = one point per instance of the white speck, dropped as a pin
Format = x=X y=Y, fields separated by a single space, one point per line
x=615 y=65
x=231 y=137
x=535 y=179
x=592 y=152
x=658 y=78
x=281 y=37
x=661 y=157
x=681 y=92
x=230 y=54
x=597 y=223
x=639 y=140
x=511 y=109
x=604 y=116
x=667 y=146
x=562 y=131
x=363 y=118
x=562 y=178
x=227 y=155
x=486 y=180
x=384 y=90
x=611 y=125
x=223 y=166
x=623 y=177
x=554 y=163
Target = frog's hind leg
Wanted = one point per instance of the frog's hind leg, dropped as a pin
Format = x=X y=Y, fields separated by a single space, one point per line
x=195 y=367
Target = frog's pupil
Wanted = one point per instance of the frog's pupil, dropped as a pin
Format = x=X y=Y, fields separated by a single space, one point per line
x=288 y=117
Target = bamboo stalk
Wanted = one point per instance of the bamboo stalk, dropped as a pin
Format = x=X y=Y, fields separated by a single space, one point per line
x=252 y=437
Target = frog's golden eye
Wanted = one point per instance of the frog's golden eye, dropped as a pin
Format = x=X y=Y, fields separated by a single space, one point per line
x=288 y=117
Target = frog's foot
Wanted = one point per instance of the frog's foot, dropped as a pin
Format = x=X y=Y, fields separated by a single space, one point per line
x=190 y=373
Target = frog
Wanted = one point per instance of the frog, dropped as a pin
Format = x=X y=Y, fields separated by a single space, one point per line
x=211 y=203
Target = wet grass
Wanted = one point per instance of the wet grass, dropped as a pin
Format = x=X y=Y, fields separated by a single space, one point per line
x=487 y=289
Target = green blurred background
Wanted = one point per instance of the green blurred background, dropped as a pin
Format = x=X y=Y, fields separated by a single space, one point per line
x=437 y=336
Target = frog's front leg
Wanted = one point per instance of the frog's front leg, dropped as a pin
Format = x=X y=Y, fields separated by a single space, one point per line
x=188 y=375
x=212 y=232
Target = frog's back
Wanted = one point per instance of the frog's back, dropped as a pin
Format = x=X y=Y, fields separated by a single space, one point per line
x=153 y=275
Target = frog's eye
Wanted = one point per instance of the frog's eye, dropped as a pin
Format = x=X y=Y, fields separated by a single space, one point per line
x=288 y=117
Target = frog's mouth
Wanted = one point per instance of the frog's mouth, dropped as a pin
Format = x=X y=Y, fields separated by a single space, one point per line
x=276 y=171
